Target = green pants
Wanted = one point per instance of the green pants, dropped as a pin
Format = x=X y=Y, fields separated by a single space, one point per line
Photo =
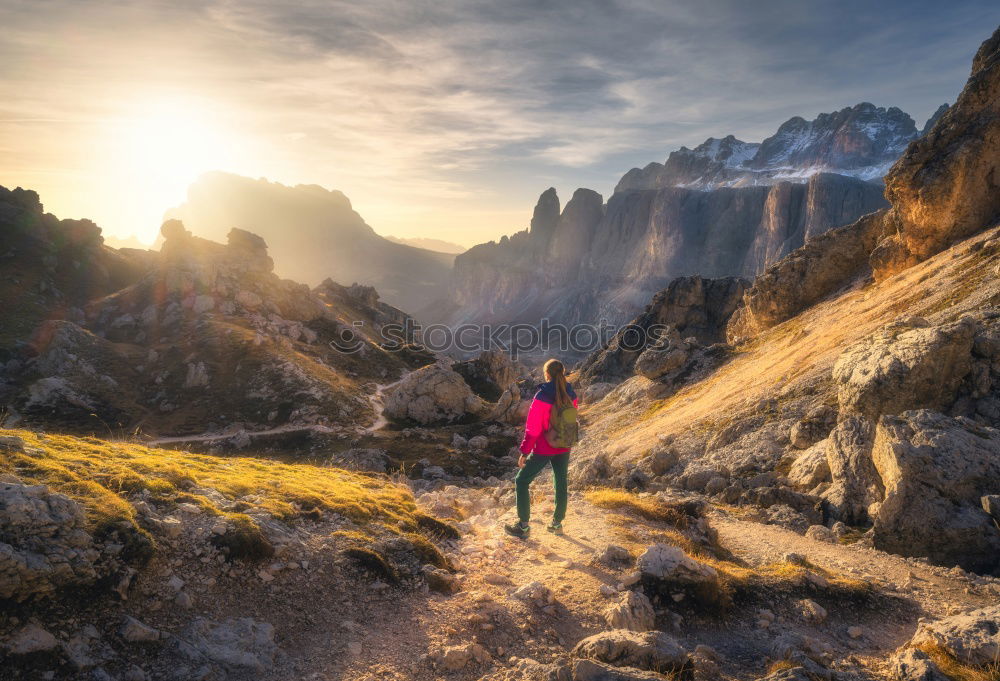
x=532 y=467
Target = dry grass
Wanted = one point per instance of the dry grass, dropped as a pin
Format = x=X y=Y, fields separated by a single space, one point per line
x=959 y=671
x=649 y=508
x=101 y=475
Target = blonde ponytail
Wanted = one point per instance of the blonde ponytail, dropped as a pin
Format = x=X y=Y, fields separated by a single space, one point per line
x=556 y=372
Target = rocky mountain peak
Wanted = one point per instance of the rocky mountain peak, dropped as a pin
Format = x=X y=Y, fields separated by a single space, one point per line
x=860 y=141
x=935 y=117
x=546 y=215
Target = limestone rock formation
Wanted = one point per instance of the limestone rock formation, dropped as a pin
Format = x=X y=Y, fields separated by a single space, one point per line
x=433 y=395
x=945 y=186
x=806 y=276
x=972 y=638
x=631 y=611
x=606 y=263
x=909 y=364
x=934 y=470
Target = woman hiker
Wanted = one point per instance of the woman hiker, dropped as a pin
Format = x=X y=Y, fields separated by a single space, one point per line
x=549 y=433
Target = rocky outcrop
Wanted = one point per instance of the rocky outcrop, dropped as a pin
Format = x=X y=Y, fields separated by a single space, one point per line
x=934 y=470
x=806 y=276
x=652 y=650
x=205 y=336
x=972 y=638
x=909 y=364
x=489 y=374
x=947 y=184
x=44 y=543
x=691 y=307
x=433 y=395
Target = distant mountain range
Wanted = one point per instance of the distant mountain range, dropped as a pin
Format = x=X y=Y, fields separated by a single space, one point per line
x=314 y=234
x=724 y=208
x=438 y=245
x=862 y=141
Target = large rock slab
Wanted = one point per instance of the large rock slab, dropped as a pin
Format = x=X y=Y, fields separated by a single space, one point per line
x=241 y=644
x=652 y=650
x=433 y=395
x=907 y=365
x=973 y=637
x=855 y=483
x=935 y=470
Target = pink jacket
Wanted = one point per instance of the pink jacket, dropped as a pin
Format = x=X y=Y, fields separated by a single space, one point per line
x=538 y=422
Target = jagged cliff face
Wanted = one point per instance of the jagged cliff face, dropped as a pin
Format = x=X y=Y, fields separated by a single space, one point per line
x=944 y=188
x=314 y=234
x=861 y=141
x=947 y=185
x=605 y=261
x=724 y=208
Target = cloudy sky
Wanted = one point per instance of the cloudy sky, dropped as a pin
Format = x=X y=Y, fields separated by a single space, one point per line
x=437 y=118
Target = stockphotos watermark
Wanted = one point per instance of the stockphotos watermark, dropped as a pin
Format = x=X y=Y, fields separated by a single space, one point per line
x=512 y=339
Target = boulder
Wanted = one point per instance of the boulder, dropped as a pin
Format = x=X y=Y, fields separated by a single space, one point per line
x=433 y=395
x=810 y=468
x=821 y=533
x=589 y=670
x=489 y=374
x=29 y=640
x=651 y=650
x=972 y=638
x=912 y=664
x=855 y=484
x=670 y=564
x=632 y=611
x=668 y=353
x=944 y=187
x=44 y=544
x=241 y=644
x=907 y=365
x=935 y=470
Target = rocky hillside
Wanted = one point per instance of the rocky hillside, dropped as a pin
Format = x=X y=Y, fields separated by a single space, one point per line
x=200 y=337
x=314 y=234
x=843 y=397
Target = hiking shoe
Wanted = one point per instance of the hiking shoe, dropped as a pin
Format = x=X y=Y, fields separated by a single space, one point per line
x=518 y=530
x=555 y=528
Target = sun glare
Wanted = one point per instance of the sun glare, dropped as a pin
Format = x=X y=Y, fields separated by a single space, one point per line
x=161 y=148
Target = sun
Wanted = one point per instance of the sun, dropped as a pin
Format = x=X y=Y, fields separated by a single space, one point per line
x=161 y=146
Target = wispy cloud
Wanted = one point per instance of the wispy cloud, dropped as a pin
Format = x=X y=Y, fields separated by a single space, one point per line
x=449 y=117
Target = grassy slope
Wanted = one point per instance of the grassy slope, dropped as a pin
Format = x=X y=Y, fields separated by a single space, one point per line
x=102 y=475
x=800 y=353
